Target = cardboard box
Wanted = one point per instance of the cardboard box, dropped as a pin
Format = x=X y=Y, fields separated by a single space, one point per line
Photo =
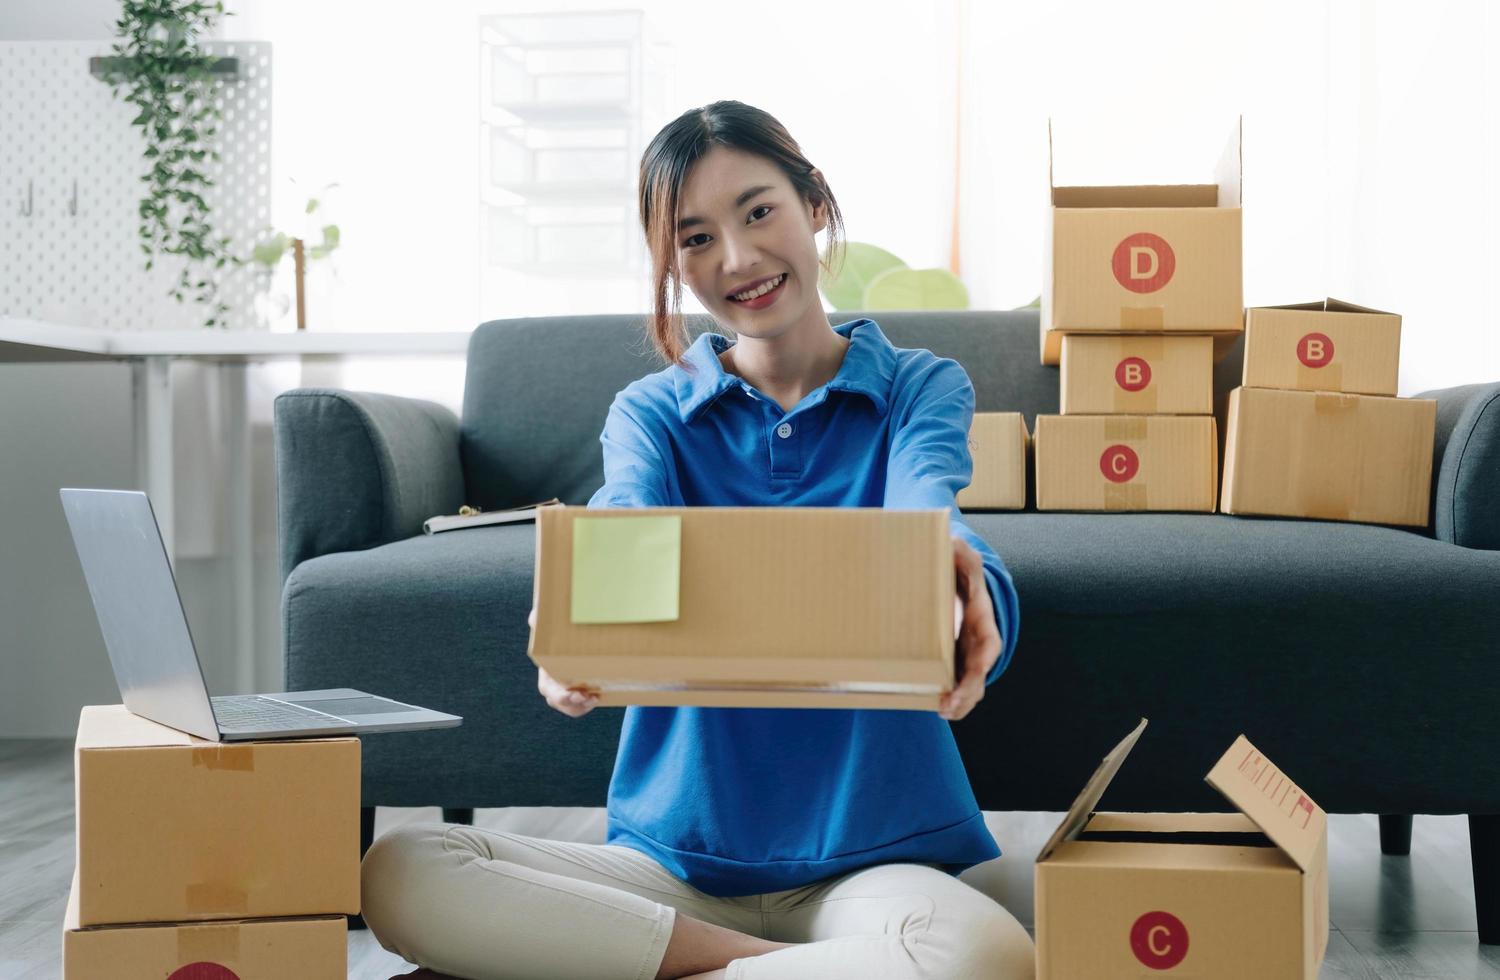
x=1145 y=258
x=796 y=607
x=1339 y=457
x=998 y=444
x=174 y=828
x=311 y=948
x=1126 y=462
x=1137 y=375
x=1232 y=896
x=1325 y=346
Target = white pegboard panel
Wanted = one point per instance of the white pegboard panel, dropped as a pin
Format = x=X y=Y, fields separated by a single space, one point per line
x=60 y=124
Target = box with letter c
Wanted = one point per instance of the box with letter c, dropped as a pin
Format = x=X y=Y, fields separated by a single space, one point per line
x=1232 y=896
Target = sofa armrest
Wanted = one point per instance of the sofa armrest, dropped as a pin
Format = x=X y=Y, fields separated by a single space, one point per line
x=356 y=469
x=1466 y=466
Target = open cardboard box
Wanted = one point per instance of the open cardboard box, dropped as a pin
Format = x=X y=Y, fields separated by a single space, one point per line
x=1145 y=258
x=175 y=828
x=793 y=607
x=1228 y=896
x=305 y=948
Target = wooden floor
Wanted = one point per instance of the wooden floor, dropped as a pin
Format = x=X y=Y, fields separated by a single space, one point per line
x=1392 y=917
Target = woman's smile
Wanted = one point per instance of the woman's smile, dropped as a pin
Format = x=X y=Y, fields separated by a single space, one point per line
x=764 y=299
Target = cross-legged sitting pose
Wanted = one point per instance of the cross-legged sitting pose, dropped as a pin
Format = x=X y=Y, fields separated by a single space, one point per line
x=750 y=843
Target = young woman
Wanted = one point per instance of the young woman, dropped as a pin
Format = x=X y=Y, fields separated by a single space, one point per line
x=750 y=843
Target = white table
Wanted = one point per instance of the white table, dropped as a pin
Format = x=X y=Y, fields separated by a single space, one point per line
x=150 y=354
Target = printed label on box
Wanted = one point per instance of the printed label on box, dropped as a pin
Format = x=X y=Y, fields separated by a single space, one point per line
x=1144 y=262
x=1119 y=463
x=1133 y=373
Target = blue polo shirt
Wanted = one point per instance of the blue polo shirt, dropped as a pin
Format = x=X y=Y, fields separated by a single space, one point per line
x=743 y=801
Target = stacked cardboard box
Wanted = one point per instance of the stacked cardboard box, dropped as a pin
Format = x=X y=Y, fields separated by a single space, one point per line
x=234 y=859
x=1315 y=430
x=999 y=445
x=785 y=607
x=1142 y=284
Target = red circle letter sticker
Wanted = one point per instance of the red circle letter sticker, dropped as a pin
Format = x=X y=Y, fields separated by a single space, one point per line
x=1133 y=373
x=1119 y=463
x=1144 y=262
x=203 y=971
x=1159 y=940
x=1315 y=350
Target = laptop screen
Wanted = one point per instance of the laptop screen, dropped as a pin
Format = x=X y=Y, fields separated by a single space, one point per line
x=140 y=613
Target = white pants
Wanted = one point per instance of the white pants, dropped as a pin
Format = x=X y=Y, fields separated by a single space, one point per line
x=487 y=905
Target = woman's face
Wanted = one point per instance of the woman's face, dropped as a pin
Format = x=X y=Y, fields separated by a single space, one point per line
x=729 y=240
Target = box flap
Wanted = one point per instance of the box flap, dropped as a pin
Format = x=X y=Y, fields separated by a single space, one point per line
x=1230 y=172
x=1137 y=196
x=111 y=726
x=1278 y=806
x=1227 y=191
x=1083 y=806
x=1341 y=306
x=1329 y=305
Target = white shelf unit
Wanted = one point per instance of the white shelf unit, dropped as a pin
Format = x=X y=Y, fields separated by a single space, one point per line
x=561 y=135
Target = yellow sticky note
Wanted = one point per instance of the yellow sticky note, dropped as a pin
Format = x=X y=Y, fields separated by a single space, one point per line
x=626 y=569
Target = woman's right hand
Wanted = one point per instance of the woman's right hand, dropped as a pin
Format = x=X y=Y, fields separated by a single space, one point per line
x=575 y=702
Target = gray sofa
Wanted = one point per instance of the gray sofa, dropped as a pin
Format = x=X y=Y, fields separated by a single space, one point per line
x=1363 y=659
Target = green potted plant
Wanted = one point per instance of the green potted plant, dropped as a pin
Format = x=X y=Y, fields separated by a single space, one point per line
x=276 y=243
x=161 y=68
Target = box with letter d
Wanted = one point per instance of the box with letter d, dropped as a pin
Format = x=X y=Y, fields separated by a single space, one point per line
x=1227 y=896
x=1148 y=258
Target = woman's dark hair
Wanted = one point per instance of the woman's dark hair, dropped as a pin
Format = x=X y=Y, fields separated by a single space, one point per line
x=665 y=165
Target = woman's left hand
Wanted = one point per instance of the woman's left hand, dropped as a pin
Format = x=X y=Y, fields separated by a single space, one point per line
x=975 y=630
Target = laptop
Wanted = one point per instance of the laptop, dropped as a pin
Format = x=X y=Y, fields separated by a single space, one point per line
x=146 y=633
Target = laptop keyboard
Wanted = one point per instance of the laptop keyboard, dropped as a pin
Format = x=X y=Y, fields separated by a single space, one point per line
x=256 y=714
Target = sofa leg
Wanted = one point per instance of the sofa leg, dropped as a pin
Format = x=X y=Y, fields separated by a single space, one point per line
x=458 y=814
x=366 y=838
x=1395 y=833
x=1484 y=847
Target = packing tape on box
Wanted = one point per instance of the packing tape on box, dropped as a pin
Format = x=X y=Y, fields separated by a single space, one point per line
x=1333 y=402
x=1142 y=317
x=215 y=897
x=1125 y=427
x=221 y=756
x=217 y=944
x=1329 y=377
x=1125 y=496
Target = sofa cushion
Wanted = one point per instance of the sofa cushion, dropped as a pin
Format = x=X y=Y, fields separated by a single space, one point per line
x=1299 y=633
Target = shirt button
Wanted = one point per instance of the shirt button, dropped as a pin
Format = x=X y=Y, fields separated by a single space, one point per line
x=784 y=429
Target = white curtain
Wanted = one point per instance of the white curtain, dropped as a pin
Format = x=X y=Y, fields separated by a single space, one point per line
x=1369 y=135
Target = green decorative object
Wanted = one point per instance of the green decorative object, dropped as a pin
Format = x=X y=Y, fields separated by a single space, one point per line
x=916 y=289
x=862 y=263
x=162 y=70
x=268 y=252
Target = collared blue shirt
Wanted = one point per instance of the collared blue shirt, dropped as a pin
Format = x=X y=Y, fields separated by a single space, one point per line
x=744 y=801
